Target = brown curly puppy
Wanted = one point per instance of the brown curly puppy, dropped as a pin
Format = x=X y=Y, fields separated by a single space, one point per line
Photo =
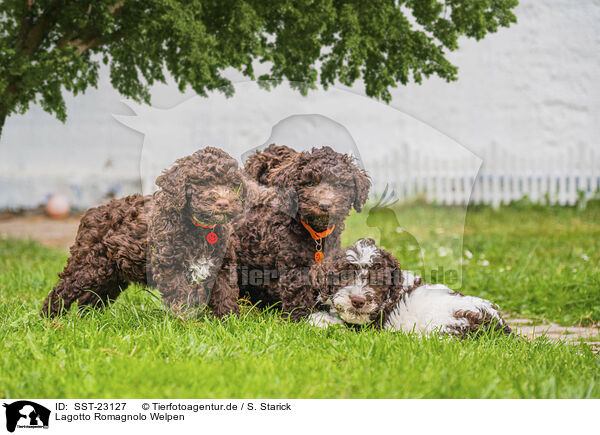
x=280 y=237
x=364 y=285
x=178 y=239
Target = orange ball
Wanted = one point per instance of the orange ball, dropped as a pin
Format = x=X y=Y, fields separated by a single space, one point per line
x=58 y=206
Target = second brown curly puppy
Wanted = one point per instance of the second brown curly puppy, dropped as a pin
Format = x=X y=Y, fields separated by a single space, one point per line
x=281 y=237
x=178 y=239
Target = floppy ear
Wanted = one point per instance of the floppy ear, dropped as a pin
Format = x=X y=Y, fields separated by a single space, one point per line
x=284 y=179
x=260 y=165
x=279 y=198
x=286 y=174
x=257 y=167
x=173 y=183
x=362 y=184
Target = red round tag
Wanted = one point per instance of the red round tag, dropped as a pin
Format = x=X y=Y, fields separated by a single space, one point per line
x=319 y=256
x=212 y=238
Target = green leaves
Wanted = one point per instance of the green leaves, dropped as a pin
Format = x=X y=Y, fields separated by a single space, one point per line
x=48 y=46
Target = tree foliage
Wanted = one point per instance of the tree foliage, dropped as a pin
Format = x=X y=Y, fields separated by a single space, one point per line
x=48 y=46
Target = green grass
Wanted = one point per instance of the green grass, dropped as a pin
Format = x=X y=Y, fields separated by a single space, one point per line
x=133 y=349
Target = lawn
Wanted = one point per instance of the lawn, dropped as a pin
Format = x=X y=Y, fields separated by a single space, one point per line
x=535 y=262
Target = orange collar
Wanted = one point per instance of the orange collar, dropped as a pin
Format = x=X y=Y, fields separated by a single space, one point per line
x=197 y=223
x=314 y=234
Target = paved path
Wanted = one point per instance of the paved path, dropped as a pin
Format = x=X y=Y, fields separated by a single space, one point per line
x=49 y=232
x=568 y=334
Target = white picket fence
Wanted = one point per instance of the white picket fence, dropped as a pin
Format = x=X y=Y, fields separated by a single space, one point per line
x=555 y=177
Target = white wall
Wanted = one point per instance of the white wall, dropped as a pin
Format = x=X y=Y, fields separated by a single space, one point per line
x=531 y=88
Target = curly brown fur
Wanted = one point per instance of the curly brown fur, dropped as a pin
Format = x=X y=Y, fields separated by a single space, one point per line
x=260 y=165
x=274 y=250
x=477 y=322
x=153 y=240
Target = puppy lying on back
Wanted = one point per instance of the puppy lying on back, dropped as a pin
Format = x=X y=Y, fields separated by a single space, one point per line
x=364 y=285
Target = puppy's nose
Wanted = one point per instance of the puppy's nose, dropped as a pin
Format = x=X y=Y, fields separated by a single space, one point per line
x=358 y=301
x=325 y=205
x=222 y=204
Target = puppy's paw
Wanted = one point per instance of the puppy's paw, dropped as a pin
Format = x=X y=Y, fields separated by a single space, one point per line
x=323 y=319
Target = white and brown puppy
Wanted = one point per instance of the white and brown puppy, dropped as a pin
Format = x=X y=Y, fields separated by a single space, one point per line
x=364 y=285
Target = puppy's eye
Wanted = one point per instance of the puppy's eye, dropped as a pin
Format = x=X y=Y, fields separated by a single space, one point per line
x=346 y=275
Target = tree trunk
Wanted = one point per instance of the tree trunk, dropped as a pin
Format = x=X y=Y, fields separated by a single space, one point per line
x=2 y=118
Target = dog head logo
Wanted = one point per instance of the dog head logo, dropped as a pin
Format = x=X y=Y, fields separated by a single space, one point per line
x=26 y=414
